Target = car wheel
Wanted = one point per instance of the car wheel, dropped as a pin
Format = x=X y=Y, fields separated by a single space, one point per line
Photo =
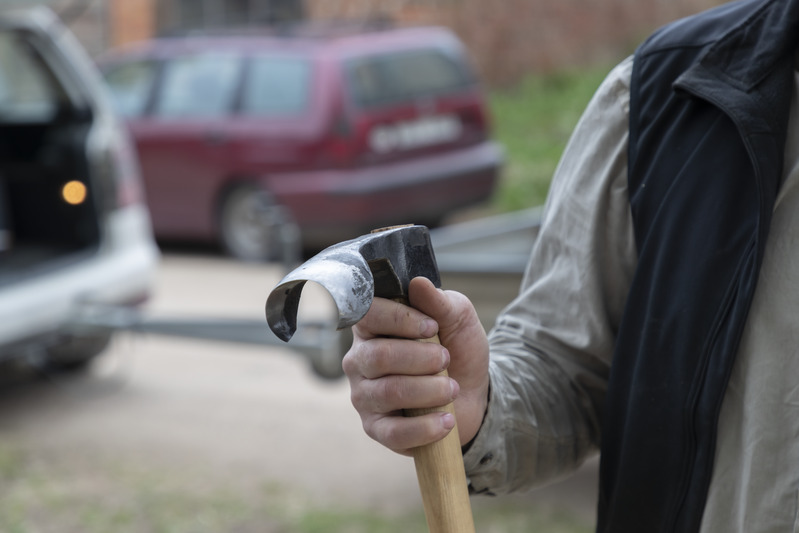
x=254 y=228
x=75 y=352
x=326 y=363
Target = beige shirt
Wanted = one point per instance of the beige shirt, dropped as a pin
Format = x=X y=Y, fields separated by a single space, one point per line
x=551 y=348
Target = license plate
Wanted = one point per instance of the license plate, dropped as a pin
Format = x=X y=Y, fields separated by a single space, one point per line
x=416 y=133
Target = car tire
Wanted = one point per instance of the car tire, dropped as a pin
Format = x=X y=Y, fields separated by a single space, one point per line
x=75 y=352
x=253 y=227
x=326 y=363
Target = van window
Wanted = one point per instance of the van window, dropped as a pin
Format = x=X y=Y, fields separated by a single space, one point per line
x=198 y=86
x=389 y=78
x=277 y=86
x=130 y=85
x=28 y=91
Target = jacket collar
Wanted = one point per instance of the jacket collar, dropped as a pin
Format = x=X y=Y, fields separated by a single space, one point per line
x=751 y=50
x=748 y=71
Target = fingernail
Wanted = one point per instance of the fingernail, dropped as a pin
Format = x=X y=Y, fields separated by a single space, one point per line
x=454 y=388
x=444 y=358
x=447 y=420
x=429 y=328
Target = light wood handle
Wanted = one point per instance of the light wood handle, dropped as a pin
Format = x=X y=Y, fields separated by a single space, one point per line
x=442 y=478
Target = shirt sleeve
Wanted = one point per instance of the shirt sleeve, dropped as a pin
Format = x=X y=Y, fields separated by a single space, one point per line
x=551 y=348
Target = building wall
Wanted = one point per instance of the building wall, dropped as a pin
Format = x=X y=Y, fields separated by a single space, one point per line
x=508 y=38
x=101 y=24
x=130 y=21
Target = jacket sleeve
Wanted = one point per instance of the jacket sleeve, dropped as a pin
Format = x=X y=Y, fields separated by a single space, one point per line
x=551 y=347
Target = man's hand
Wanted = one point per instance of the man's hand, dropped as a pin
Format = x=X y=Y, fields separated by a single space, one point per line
x=389 y=372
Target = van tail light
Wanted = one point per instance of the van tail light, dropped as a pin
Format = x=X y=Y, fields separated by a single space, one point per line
x=128 y=177
x=117 y=170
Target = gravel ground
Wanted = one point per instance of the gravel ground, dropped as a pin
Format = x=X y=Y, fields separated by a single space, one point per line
x=187 y=426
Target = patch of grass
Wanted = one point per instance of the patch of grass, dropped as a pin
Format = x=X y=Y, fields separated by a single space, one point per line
x=348 y=521
x=495 y=519
x=52 y=494
x=11 y=459
x=49 y=493
x=533 y=121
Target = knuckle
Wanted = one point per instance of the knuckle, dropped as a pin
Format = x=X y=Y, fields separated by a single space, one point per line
x=374 y=361
x=393 y=435
x=363 y=359
x=371 y=360
x=392 y=391
x=385 y=430
x=349 y=365
x=369 y=429
x=370 y=397
x=361 y=399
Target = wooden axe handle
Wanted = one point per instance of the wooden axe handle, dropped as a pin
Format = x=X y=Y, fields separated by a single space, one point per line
x=442 y=478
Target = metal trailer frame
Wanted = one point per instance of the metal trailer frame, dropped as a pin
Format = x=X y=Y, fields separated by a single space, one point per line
x=483 y=258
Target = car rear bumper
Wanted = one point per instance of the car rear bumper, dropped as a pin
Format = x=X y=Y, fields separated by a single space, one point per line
x=422 y=190
x=121 y=272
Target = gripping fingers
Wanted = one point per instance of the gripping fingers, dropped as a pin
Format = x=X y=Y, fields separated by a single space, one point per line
x=381 y=402
x=401 y=434
x=384 y=357
x=392 y=394
x=389 y=318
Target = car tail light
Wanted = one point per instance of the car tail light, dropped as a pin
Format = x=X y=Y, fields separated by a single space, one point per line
x=339 y=146
x=481 y=118
x=478 y=122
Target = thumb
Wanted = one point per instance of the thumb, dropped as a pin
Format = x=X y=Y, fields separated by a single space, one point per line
x=430 y=300
x=459 y=327
x=462 y=333
x=451 y=310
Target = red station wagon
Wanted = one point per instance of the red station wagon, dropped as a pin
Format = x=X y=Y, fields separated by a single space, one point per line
x=337 y=132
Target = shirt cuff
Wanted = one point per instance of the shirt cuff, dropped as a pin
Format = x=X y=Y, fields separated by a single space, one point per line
x=481 y=455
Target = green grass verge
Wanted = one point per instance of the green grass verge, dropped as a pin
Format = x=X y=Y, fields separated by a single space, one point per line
x=511 y=519
x=54 y=493
x=533 y=121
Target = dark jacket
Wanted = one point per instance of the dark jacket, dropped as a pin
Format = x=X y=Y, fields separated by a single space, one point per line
x=708 y=117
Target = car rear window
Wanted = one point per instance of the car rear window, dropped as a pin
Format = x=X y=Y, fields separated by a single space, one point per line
x=28 y=91
x=277 y=86
x=390 y=78
x=130 y=85
x=199 y=86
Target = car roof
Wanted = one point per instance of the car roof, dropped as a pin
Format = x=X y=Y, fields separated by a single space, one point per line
x=302 y=39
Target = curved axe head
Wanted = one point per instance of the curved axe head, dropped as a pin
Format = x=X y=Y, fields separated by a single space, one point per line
x=381 y=263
